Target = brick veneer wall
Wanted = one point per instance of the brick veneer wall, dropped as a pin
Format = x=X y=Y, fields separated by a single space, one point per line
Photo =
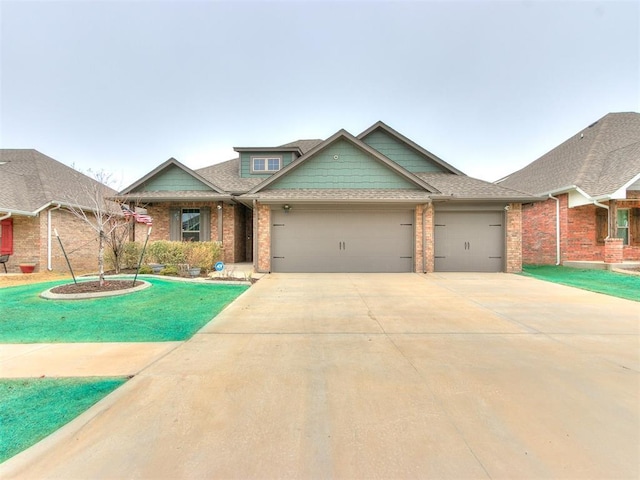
x=539 y=233
x=577 y=228
x=513 y=241
x=30 y=243
x=263 y=255
x=425 y=251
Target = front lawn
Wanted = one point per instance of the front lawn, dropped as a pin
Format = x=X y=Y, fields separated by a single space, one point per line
x=32 y=408
x=600 y=281
x=167 y=311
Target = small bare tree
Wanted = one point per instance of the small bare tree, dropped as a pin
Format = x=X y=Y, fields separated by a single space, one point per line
x=104 y=216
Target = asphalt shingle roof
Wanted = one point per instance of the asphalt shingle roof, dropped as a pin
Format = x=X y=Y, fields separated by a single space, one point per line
x=339 y=194
x=462 y=186
x=29 y=180
x=599 y=159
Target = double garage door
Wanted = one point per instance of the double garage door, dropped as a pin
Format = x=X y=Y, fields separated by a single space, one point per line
x=342 y=240
x=334 y=240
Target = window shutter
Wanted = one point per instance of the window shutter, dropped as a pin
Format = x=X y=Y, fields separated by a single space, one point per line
x=634 y=226
x=7 y=236
x=602 y=225
x=175 y=227
x=205 y=224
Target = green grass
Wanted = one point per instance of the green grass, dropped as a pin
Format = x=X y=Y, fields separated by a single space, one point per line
x=32 y=408
x=167 y=311
x=600 y=281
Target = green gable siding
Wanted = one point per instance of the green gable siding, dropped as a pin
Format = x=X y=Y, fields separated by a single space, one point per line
x=245 y=162
x=172 y=179
x=400 y=153
x=353 y=169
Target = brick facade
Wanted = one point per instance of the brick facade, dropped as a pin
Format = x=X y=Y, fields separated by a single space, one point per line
x=513 y=240
x=262 y=258
x=236 y=226
x=31 y=244
x=578 y=232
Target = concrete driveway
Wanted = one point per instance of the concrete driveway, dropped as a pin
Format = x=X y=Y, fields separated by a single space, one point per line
x=376 y=376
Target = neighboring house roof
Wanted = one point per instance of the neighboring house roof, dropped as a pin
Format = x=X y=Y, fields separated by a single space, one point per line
x=600 y=160
x=31 y=181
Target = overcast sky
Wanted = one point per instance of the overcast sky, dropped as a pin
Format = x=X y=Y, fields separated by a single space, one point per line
x=487 y=86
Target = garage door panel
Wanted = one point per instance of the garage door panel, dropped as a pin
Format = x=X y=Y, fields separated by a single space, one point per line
x=469 y=241
x=342 y=241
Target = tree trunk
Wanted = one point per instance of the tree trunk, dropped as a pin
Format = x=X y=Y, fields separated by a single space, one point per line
x=101 y=258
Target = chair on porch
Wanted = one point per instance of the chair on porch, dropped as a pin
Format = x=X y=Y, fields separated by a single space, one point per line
x=3 y=260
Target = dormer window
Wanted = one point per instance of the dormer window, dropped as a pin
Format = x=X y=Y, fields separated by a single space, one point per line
x=265 y=164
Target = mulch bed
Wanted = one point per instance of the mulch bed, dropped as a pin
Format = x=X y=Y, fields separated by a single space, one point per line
x=94 y=286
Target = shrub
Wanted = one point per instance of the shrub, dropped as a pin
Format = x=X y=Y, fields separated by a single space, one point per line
x=169 y=270
x=165 y=252
x=131 y=254
x=145 y=269
x=203 y=254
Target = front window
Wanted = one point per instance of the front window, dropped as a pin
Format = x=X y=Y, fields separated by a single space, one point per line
x=265 y=164
x=623 y=226
x=191 y=224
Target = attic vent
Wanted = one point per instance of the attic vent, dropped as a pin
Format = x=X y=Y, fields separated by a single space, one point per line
x=592 y=124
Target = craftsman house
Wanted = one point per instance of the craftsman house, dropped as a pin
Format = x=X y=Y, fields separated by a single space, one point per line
x=376 y=202
x=591 y=183
x=35 y=191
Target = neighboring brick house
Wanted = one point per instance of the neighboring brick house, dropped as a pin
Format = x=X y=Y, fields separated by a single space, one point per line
x=376 y=202
x=592 y=186
x=35 y=191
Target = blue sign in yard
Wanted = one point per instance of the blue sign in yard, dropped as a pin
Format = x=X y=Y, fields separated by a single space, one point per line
x=219 y=266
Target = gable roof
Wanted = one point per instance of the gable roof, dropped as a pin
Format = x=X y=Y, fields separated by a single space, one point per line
x=599 y=159
x=132 y=192
x=31 y=181
x=410 y=143
x=343 y=135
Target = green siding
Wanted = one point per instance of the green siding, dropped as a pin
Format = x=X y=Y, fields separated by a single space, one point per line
x=400 y=153
x=353 y=169
x=172 y=179
x=245 y=162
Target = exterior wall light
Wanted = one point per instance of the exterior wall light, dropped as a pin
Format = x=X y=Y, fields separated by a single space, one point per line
x=286 y=207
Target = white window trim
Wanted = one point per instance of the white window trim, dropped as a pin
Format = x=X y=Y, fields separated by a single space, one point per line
x=266 y=159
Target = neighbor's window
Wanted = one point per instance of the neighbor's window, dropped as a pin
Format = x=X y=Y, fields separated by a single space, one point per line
x=265 y=164
x=623 y=226
x=191 y=224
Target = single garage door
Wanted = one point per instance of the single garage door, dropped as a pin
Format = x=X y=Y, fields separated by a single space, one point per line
x=469 y=241
x=342 y=240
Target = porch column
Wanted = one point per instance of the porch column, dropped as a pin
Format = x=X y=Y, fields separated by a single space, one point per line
x=613 y=250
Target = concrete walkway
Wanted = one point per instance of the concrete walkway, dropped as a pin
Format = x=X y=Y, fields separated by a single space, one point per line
x=376 y=376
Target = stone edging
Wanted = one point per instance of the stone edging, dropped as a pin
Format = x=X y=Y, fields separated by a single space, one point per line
x=49 y=295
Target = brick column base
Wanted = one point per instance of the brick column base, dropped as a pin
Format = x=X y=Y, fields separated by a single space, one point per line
x=613 y=250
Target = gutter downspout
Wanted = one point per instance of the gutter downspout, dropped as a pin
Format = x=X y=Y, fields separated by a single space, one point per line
x=557 y=228
x=8 y=215
x=49 y=267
